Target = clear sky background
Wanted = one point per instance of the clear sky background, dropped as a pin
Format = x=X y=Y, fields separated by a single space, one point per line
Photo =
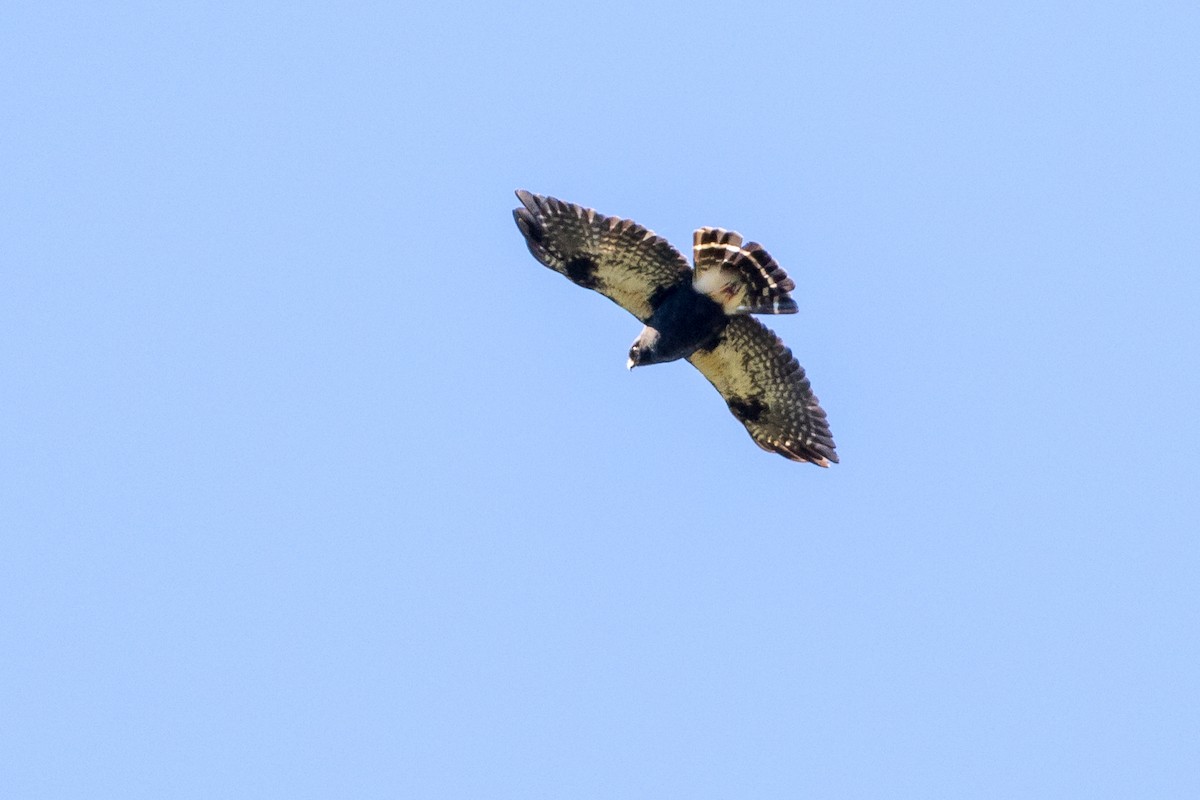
x=316 y=484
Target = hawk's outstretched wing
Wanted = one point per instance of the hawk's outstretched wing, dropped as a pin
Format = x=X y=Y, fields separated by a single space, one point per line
x=767 y=391
x=617 y=257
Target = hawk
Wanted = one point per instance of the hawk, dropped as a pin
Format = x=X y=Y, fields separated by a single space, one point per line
x=700 y=314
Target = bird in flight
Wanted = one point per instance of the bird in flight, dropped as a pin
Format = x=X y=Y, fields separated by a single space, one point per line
x=701 y=314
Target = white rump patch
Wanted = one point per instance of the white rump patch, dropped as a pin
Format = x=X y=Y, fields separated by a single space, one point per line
x=722 y=286
x=709 y=281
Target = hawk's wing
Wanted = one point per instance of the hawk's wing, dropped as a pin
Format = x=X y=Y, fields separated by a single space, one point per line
x=767 y=391
x=617 y=257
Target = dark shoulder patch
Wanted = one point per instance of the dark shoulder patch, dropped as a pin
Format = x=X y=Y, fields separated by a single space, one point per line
x=582 y=270
x=748 y=411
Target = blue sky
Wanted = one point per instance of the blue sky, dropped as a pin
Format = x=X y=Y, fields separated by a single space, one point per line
x=316 y=484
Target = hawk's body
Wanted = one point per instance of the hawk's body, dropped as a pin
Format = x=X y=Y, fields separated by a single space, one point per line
x=684 y=321
x=700 y=315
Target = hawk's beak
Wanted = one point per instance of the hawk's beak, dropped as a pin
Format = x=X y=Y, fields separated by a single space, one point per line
x=629 y=364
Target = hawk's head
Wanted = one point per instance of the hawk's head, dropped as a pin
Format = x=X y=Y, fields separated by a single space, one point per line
x=644 y=349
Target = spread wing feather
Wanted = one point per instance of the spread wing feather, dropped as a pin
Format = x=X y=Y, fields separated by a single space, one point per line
x=767 y=391
x=743 y=279
x=623 y=261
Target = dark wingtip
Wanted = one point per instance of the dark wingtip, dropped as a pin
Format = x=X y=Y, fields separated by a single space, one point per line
x=528 y=199
x=813 y=452
x=821 y=457
x=528 y=224
x=527 y=220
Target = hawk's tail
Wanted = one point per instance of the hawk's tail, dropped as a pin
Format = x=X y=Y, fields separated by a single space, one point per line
x=744 y=279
